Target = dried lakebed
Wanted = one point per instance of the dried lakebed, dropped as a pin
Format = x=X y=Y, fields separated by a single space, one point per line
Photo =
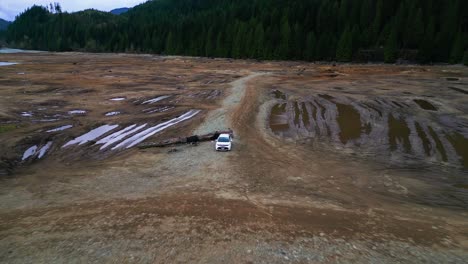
x=106 y=136
x=378 y=127
x=322 y=176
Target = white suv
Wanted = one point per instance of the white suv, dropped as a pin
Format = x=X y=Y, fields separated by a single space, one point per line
x=224 y=142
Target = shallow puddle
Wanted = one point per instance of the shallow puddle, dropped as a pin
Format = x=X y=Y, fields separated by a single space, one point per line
x=7 y=51
x=91 y=135
x=46 y=120
x=29 y=152
x=327 y=97
x=118 y=99
x=4 y=63
x=76 y=112
x=425 y=105
x=119 y=135
x=44 y=149
x=157 y=99
x=461 y=185
x=305 y=115
x=278 y=118
x=297 y=114
x=141 y=136
x=398 y=132
x=157 y=109
x=349 y=121
x=425 y=140
x=59 y=128
x=314 y=110
x=460 y=144
x=113 y=113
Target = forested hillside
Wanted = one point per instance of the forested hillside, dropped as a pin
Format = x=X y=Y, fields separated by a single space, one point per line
x=3 y=24
x=343 y=30
x=119 y=11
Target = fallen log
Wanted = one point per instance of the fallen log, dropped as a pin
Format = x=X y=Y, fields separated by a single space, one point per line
x=180 y=140
x=185 y=140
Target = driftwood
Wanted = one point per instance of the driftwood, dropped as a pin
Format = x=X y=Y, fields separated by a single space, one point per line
x=183 y=140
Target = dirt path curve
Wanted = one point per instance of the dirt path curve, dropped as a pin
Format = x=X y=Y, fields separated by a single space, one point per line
x=220 y=118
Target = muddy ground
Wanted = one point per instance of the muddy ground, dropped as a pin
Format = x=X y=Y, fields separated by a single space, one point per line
x=330 y=163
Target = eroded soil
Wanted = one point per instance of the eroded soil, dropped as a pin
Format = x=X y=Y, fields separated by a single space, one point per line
x=347 y=163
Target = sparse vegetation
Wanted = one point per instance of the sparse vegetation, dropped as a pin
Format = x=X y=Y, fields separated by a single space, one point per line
x=7 y=127
x=465 y=58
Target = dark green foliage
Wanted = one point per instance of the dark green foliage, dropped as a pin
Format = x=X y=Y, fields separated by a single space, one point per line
x=465 y=58
x=310 y=47
x=391 y=47
x=264 y=29
x=344 y=50
x=457 y=51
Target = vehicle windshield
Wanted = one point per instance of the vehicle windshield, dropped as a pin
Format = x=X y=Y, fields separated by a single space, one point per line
x=223 y=139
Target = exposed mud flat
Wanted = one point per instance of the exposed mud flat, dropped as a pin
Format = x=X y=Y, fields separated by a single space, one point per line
x=378 y=126
x=90 y=102
x=401 y=123
x=345 y=163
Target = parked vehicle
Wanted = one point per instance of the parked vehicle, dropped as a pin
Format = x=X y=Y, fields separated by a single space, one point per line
x=224 y=142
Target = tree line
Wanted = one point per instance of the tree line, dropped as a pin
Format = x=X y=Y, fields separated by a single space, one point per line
x=342 y=30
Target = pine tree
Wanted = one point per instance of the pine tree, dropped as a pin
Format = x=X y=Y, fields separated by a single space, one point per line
x=355 y=39
x=170 y=44
x=426 y=47
x=284 y=50
x=415 y=30
x=457 y=51
x=465 y=58
x=391 y=48
x=311 y=46
x=237 y=49
x=365 y=14
x=258 y=45
x=445 y=37
x=255 y=29
x=377 y=24
x=297 y=45
x=209 y=43
x=344 y=50
x=220 y=47
x=325 y=47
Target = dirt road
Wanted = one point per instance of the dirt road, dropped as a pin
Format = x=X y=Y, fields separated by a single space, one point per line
x=272 y=199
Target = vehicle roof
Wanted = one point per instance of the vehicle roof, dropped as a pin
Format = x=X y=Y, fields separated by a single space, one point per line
x=224 y=135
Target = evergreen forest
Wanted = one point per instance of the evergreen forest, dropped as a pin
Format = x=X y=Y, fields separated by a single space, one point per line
x=426 y=31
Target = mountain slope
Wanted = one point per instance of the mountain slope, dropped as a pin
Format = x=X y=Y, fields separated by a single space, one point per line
x=119 y=11
x=427 y=30
x=4 y=24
